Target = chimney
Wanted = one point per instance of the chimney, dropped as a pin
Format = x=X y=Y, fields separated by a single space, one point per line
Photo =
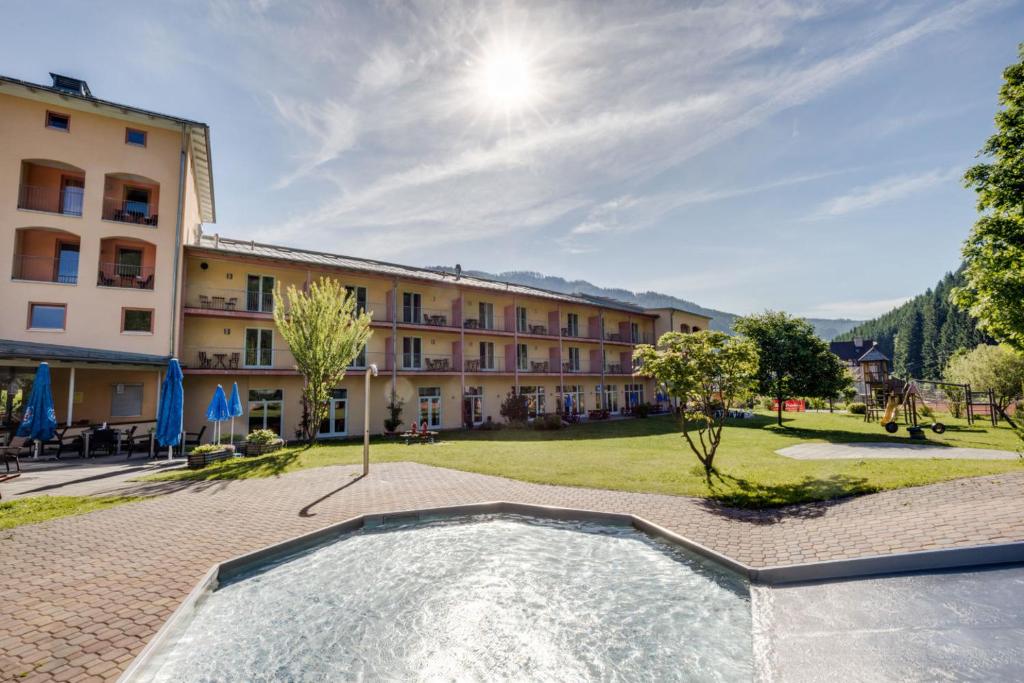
x=858 y=342
x=70 y=85
x=458 y=271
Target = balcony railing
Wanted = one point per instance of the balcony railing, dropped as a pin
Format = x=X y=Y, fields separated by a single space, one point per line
x=67 y=201
x=234 y=358
x=219 y=299
x=427 y=362
x=44 y=269
x=435 y=317
x=127 y=211
x=637 y=338
x=484 y=364
x=126 y=275
x=475 y=322
x=540 y=327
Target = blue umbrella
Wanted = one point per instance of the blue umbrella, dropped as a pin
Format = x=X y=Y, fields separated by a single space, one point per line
x=218 y=411
x=40 y=420
x=170 y=418
x=568 y=404
x=235 y=408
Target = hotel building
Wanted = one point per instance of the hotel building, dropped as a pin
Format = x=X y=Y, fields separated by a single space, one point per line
x=110 y=274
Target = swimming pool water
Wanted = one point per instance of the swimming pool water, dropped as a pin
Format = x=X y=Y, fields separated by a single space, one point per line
x=482 y=598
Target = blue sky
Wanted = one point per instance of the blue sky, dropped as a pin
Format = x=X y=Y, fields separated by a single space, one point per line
x=802 y=156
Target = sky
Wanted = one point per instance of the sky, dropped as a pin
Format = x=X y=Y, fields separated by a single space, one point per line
x=798 y=156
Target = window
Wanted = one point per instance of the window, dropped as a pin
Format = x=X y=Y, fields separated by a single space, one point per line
x=134 y=136
x=259 y=348
x=46 y=316
x=266 y=409
x=430 y=406
x=67 y=263
x=486 y=316
x=634 y=333
x=72 y=191
x=412 y=353
x=411 y=309
x=337 y=406
x=486 y=355
x=137 y=320
x=521 y=324
x=534 y=399
x=360 y=294
x=634 y=395
x=611 y=397
x=522 y=357
x=57 y=121
x=136 y=201
x=573 y=364
x=572 y=402
x=129 y=262
x=126 y=400
x=572 y=325
x=259 y=294
x=360 y=360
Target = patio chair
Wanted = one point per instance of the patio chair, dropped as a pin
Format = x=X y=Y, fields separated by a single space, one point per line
x=204 y=360
x=10 y=452
x=204 y=301
x=231 y=303
x=233 y=360
x=62 y=442
x=131 y=441
x=102 y=440
x=147 y=283
x=194 y=438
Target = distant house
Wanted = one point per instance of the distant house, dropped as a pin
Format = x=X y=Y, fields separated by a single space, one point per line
x=868 y=365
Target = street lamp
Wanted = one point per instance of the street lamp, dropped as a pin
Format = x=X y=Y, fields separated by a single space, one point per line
x=370 y=372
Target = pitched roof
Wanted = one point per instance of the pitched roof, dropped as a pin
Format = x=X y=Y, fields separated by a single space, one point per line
x=38 y=351
x=199 y=133
x=873 y=354
x=216 y=243
x=850 y=351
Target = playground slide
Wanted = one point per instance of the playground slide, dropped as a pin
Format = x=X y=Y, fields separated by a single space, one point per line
x=890 y=410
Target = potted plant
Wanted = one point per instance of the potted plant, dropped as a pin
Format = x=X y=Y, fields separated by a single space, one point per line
x=394 y=418
x=204 y=454
x=262 y=441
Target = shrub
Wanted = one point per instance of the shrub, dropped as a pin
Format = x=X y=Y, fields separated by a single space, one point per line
x=205 y=448
x=766 y=403
x=394 y=408
x=261 y=437
x=515 y=408
x=549 y=421
x=858 y=409
x=490 y=426
x=643 y=409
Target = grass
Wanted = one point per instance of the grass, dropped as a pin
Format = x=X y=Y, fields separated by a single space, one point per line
x=41 y=508
x=651 y=456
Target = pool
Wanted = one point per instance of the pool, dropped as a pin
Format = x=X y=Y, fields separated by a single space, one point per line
x=485 y=597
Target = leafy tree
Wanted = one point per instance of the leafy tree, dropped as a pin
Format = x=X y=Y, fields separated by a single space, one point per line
x=793 y=360
x=325 y=334
x=999 y=368
x=515 y=408
x=994 y=251
x=707 y=372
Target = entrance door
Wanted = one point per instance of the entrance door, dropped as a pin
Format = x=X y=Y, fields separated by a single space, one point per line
x=71 y=193
x=473 y=406
x=337 y=409
x=430 y=406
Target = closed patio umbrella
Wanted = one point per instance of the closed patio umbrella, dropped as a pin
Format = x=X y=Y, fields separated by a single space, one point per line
x=40 y=420
x=235 y=408
x=170 y=418
x=218 y=412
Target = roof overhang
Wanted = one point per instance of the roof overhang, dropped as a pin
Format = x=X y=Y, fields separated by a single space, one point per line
x=29 y=353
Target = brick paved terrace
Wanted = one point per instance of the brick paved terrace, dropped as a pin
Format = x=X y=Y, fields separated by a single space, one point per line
x=82 y=595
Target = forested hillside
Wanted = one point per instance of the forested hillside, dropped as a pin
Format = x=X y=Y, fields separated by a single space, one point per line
x=922 y=334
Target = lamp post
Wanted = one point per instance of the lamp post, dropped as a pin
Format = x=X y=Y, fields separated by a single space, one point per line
x=370 y=372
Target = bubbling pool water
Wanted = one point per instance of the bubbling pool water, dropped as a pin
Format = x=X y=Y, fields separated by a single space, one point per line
x=482 y=598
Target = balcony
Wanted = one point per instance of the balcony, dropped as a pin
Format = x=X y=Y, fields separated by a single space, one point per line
x=427 y=362
x=125 y=276
x=205 y=298
x=226 y=359
x=126 y=263
x=537 y=327
x=484 y=364
x=52 y=187
x=130 y=198
x=434 y=317
x=45 y=255
x=629 y=337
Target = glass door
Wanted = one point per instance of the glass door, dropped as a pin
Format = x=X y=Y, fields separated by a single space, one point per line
x=412 y=356
x=430 y=406
x=260 y=293
x=412 y=312
x=473 y=406
x=486 y=316
x=486 y=355
x=266 y=410
x=71 y=193
x=67 y=263
x=259 y=348
x=337 y=409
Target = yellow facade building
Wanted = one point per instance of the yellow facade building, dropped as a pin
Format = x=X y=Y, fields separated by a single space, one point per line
x=111 y=274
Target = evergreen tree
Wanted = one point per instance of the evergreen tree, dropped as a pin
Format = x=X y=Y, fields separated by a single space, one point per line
x=929 y=337
x=907 y=360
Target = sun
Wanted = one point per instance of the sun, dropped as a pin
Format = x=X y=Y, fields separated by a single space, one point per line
x=504 y=79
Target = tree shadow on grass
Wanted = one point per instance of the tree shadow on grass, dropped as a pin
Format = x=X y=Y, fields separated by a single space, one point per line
x=830 y=435
x=755 y=503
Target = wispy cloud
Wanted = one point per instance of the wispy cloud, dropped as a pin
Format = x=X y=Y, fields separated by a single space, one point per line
x=884 y=191
x=857 y=310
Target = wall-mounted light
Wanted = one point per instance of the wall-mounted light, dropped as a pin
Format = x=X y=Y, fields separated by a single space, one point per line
x=204 y=265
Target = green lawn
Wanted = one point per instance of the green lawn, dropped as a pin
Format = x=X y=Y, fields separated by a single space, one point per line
x=650 y=455
x=41 y=508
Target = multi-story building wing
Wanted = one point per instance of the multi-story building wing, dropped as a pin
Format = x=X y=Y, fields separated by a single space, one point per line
x=96 y=201
x=102 y=207
x=451 y=346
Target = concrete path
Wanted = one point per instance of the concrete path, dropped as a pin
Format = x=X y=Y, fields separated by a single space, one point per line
x=77 y=477
x=873 y=451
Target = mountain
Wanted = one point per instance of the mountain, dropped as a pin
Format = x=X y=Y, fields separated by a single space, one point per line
x=826 y=328
x=922 y=334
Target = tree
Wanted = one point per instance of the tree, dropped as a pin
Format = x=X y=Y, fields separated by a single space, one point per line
x=515 y=408
x=999 y=368
x=793 y=360
x=707 y=372
x=994 y=251
x=907 y=358
x=325 y=334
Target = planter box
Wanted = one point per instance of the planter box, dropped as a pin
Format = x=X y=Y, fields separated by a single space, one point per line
x=199 y=460
x=255 y=449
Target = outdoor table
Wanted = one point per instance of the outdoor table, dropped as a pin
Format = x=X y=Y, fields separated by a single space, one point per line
x=472 y=365
x=220 y=360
